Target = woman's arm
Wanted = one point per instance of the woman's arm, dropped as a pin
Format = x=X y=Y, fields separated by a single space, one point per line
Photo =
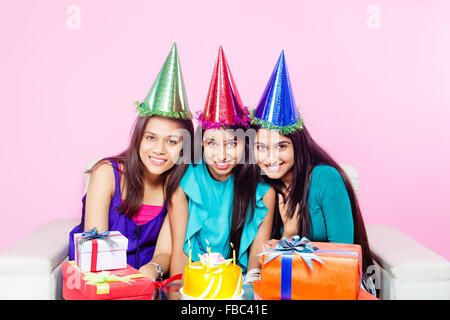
x=98 y=197
x=179 y=215
x=336 y=207
x=264 y=231
x=162 y=252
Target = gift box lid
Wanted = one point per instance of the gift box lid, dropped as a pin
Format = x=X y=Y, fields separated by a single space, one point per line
x=112 y=242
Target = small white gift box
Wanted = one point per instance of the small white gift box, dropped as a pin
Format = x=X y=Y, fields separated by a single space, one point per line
x=105 y=253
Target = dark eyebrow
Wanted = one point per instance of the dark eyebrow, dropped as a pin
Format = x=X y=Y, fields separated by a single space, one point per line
x=170 y=135
x=284 y=141
x=278 y=143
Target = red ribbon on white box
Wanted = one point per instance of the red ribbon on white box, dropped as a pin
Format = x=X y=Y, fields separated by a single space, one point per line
x=94 y=253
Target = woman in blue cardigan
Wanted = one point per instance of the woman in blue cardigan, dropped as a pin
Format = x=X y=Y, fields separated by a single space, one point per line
x=315 y=197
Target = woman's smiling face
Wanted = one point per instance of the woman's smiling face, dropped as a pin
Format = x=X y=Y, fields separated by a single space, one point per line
x=161 y=145
x=222 y=151
x=274 y=153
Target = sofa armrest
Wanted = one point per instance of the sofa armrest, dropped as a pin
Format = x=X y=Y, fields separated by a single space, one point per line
x=408 y=270
x=41 y=251
x=405 y=258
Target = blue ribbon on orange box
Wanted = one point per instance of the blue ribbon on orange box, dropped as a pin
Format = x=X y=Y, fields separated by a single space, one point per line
x=288 y=246
x=285 y=248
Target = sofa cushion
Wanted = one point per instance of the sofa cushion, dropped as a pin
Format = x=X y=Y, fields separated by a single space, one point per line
x=40 y=251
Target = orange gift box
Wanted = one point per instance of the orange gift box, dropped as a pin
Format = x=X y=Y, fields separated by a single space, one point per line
x=120 y=284
x=338 y=277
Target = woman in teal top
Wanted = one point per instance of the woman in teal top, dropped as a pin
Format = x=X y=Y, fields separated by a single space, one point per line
x=208 y=209
x=315 y=197
x=219 y=199
x=211 y=202
x=329 y=206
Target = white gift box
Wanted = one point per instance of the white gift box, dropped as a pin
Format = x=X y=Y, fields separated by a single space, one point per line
x=99 y=254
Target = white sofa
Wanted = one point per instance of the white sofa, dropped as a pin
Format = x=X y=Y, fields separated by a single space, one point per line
x=31 y=268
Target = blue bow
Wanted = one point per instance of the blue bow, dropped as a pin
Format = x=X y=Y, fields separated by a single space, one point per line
x=288 y=246
x=93 y=234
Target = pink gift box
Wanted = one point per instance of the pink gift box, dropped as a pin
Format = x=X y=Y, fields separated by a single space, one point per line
x=76 y=287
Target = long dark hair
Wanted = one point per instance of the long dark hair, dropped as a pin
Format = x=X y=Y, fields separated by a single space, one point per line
x=134 y=168
x=307 y=155
x=246 y=177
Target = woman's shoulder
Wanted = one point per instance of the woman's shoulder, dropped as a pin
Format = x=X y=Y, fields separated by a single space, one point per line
x=325 y=175
x=192 y=182
x=189 y=176
x=103 y=168
x=264 y=192
x=269 y=195
x=197 y=174
x=103 y=175
x=324 y=171
x=264 y=187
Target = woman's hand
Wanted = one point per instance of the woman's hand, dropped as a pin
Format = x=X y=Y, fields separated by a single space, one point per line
x=268 y=244
x=149 y=270
x=283 y=209
x=290 y=224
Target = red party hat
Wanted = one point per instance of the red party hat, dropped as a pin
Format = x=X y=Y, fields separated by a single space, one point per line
x=223 y=104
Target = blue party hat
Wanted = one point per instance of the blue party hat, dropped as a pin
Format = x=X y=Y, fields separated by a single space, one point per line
x=276 y=108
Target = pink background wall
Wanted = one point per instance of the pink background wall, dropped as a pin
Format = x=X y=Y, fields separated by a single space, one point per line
x=372 y=85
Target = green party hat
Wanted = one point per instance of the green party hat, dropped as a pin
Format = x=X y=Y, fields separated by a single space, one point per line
x=167 y=96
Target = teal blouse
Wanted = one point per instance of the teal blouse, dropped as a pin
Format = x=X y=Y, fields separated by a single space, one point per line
x=210 y=210
x=329 y=206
